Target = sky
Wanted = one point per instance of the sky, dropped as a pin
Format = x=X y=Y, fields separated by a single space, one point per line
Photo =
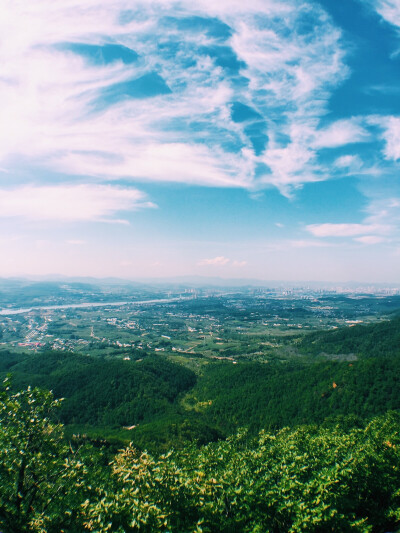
x=158 y=138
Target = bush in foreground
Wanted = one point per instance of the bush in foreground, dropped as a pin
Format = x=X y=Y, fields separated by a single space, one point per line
x=308 y=479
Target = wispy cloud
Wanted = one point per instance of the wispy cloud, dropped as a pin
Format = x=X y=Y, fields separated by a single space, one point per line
x=345 y=230
x=378 y=227
x=391 y=135
x=384 y=212
x=307 y=243
x=370 y=239
x=82 y=117
x=220 y=261
x=70 y=203
x=215 y=261
x=388 y=9
x=340 y=133
x=285 y=245
x=351 y=162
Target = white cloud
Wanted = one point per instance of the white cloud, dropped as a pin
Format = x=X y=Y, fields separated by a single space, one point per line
x=302 y=92
x=308 y=244
x=222 y=261
x=177 y=162
x=384 y=212
x=391 y=135
x=352 y=162
x=345 y=230
x=70 y=203
x=380 y=225
x=49 y=95
x=370 y=239
x=290 y=165
x=388 y=9
x=215 y=261
x=340 y=133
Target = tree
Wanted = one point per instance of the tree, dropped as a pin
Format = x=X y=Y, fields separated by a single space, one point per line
x=41 y=476
x=303 y=480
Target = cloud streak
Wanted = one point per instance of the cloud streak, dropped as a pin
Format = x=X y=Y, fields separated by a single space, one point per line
x=389 y=10
x=70 y=203
x=391 y=135
x=215 y=261
x=69 y=113
x=345 y=230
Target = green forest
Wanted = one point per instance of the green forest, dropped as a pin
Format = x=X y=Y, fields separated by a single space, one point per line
x=307 y=444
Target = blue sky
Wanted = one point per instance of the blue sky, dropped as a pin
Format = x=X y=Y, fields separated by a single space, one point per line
x=256 y=139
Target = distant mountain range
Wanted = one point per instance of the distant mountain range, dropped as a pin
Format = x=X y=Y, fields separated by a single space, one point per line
x=191 y=281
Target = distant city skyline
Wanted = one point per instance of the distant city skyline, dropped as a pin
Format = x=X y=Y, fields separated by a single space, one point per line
x=231 y=139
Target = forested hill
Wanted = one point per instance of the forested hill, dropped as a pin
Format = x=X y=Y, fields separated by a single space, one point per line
x=323 y=461
x=274 y=395
x=101 y=392
x=165 y=404
x=373 y=340
x=307 y=479
x=304 y=390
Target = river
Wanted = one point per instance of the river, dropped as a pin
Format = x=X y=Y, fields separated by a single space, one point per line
x=88 y=304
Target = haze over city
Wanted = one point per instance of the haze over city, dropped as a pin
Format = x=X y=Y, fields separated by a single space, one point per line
x=231 y=139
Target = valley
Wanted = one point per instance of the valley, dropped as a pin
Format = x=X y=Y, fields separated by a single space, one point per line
x=254 y=357
x=203 y=393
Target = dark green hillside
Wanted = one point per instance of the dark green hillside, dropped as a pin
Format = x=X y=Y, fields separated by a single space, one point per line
x=304 y=480
x=274 y=395
x=374 y=340
x=101 y=392
x=170 y=406
x=9 y=359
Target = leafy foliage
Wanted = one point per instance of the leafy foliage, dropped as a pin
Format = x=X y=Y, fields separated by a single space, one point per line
x=303 y=480
x=41 y=479
x=309 y=479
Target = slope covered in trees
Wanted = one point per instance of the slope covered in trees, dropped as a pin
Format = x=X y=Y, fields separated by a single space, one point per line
x=169 y=405
x=375 y=340
x=307 y=390
x=309 y=445
x=274 y=395
x=101 y=392
x=307 y=479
